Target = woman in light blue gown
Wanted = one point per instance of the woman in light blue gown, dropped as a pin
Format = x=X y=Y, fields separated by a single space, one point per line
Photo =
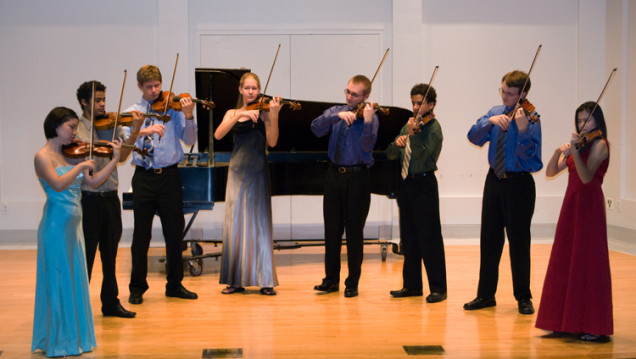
x=248 y=255
x=63 y=319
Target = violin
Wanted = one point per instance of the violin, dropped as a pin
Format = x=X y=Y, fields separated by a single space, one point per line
x=528 y=109
x=421 y=121
x=588 y=138
x=359 y=111
x=107 y=120
x=159 y=105
x=263 y=105
x=79 y=149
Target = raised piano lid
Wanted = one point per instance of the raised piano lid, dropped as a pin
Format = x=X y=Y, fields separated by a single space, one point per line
x=220 y=86
x=296 y=143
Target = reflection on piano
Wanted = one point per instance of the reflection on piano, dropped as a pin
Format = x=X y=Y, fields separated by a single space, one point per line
x=297 y=163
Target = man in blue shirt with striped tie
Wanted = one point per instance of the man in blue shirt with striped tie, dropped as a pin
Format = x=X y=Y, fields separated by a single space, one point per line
x=509 y=196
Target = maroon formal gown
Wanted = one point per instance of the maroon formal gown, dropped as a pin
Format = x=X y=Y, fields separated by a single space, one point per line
x=577 y=292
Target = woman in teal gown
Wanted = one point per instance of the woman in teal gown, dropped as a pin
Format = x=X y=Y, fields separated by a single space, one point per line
x=63 y=319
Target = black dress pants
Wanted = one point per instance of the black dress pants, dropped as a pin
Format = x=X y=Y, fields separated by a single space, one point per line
x=421 y=233
x=346 y=202
x=101 y=222
x=508 y=204
x=161 y=194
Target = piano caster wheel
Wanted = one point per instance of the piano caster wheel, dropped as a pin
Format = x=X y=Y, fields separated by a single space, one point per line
x=195 y=267
x=197 y=250
x=383 y=252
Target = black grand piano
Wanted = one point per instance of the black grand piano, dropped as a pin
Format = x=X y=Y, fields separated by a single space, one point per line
x=297 y=163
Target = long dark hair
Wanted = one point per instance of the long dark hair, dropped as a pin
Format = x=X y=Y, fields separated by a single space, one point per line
x=598 y=116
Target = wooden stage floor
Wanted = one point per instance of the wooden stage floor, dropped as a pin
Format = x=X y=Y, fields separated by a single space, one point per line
x=299 y=323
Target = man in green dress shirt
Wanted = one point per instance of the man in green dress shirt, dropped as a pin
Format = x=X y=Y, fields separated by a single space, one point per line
x=417 y=147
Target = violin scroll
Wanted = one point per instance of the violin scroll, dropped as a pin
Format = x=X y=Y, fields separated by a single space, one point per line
x=172 y=100
x=208 y=105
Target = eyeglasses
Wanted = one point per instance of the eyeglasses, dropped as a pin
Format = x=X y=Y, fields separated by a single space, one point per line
x=507 y=93
x=352 y=94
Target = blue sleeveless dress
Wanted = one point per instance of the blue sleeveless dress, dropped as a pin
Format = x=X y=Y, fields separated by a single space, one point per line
x=248 y=254
x=63 y=319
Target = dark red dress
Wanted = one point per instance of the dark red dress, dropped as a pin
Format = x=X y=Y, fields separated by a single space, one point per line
x=577 y=292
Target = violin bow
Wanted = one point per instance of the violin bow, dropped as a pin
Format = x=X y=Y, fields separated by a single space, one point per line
x=90 y=150
x=376 y=73
x=380 y=66
x=599 y=98
x=268 y=78
x=526 y=82
x=165 y=110
x=420 y=113
x=121 y=96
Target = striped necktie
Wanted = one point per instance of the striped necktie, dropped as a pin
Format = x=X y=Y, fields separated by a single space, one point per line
x=407 y=158
x=500 y=154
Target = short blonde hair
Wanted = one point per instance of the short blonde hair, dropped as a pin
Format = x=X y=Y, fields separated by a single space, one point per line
x=148 y=73
x=361 y=79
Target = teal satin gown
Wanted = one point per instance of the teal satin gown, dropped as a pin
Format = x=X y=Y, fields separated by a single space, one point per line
x=63 y=319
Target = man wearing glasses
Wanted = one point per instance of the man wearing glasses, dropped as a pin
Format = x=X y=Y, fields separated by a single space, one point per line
x=509 y=192
x=353 y=131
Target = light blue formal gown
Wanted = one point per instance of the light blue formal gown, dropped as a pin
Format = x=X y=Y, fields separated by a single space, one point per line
x=63 y=319
x=248 y=254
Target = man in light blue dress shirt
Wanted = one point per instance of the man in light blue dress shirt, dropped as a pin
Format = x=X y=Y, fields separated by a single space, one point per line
x=157 y=184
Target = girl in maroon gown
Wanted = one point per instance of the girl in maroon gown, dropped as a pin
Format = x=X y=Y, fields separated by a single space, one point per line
x=577 y=292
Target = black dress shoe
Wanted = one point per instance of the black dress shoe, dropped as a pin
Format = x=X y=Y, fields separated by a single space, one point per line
x=525 y=306
x=326 y=287
x=405 y=292
x=480 y=303
x=351 y=292
x=182 y=293
x=135 y=298
x=118 y=311
x=435 y=297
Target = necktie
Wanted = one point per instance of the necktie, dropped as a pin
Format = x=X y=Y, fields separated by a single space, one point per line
x=339 y=155
x=148 y=145
x=500 y=154
x=407 y=158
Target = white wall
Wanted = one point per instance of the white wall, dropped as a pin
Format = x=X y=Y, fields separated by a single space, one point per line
x=49 y=48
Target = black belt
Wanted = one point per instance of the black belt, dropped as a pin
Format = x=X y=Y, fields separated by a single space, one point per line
x=99 y=194
x=516 y=174
x=157 y=171
x=417 y=175
x=513 y=174
x=348 y=169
